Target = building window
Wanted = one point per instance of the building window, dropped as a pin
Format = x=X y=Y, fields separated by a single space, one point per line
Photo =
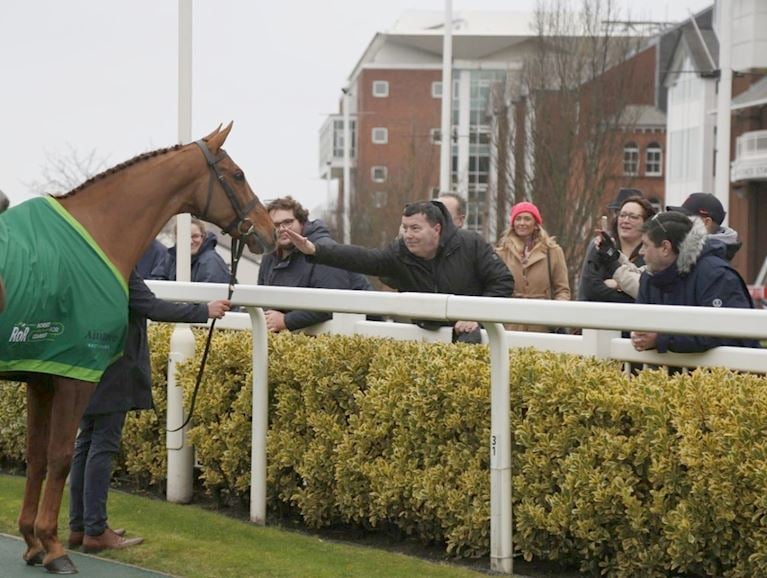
x=653 y=160
x=436 y=89
x=436 y=136
x=338 y=138
x=378 y=174
x=630 y=159
x=380 y=135
x=380 y=88
x=379 y=199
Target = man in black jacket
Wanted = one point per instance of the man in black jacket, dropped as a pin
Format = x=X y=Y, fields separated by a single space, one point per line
x=287 y=267
x=430 y=256
x=126 y=385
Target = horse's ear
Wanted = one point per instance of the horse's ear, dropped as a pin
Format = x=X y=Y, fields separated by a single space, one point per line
x=211 y=135
x=216 y=141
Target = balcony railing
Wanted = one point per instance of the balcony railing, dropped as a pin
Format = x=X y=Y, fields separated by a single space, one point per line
x=332 y=142
x=751 y=157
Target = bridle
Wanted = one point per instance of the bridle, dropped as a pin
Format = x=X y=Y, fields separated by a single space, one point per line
x=238 y=244
x=241 y=223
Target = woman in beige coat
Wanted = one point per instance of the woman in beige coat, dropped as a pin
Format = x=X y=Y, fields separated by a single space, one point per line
x=534 y=258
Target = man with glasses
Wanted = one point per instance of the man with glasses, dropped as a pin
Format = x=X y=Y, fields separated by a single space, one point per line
x=287 y=267
x=431 y=255
x=685 y=267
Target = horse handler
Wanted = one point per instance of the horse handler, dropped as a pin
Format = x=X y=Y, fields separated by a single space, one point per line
x=126 y=385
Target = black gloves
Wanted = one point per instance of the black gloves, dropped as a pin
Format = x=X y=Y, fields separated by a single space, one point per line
x=607 y=253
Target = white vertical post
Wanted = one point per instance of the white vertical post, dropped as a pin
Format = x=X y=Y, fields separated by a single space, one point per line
x=599 y=342
x=446 y=142
x=464 y=128
x=347 y=167
x=260 y=412
x=183 y=233
x=724 y=103
x=501 y=545
x=180 y=456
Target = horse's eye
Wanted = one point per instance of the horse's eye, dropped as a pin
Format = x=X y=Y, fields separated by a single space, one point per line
x=239 y=176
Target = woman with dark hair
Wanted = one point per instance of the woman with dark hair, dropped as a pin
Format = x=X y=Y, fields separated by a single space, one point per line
x=621 y=244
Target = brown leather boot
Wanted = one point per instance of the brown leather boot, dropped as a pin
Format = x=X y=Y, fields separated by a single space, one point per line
x=109 y=539
x=76 y=538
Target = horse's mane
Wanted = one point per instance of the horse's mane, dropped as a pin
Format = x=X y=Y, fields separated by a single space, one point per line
x=137 y=159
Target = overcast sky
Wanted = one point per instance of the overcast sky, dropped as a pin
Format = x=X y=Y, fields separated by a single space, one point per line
x=102 y=75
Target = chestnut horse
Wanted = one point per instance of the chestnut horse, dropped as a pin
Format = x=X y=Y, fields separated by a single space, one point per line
x=122 y=209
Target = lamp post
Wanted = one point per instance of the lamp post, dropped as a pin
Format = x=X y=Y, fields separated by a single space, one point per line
x=446 y=143
x=180 y=454
x=347 y=167
x=724 y=103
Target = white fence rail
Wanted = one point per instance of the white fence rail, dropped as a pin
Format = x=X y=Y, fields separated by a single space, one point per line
x=601 y=323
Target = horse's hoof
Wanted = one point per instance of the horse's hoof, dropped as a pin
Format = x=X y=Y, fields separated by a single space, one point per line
x=61 y=565
x=36 y=559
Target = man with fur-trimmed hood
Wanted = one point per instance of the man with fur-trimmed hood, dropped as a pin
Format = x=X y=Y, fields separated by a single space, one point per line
x=686 y=267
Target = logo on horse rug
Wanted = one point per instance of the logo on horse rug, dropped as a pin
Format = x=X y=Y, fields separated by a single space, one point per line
x=66 y=305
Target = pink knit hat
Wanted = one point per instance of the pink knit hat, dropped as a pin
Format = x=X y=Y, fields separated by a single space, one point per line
x=525 y=207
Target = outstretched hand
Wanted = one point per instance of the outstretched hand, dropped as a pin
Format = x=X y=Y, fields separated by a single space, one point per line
x=301 y=243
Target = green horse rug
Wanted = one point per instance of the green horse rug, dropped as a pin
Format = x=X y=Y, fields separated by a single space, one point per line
x=66 y=309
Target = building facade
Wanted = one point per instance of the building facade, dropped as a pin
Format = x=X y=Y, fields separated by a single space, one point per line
x=692 y=78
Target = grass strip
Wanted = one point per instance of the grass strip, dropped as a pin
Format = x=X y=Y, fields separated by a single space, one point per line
x=192 y=542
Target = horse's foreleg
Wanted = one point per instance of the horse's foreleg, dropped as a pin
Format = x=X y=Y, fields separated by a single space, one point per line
x=39 y=403
x=70 y=398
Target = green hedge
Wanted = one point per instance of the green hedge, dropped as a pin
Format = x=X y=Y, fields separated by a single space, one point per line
x=650 y=476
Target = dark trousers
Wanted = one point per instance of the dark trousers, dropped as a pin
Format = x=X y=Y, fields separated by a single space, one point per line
x=97 y=444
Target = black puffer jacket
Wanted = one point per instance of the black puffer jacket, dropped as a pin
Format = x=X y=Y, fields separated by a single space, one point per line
x=700 y=277
x=207 y=265
x=295 y=271
x=465 y=264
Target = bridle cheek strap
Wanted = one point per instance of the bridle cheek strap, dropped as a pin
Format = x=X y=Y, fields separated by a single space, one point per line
x=241 y=213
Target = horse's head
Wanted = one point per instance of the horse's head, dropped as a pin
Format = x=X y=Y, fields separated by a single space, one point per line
x=230 y=203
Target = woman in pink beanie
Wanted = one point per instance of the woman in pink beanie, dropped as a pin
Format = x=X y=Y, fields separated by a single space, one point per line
x=534 y=258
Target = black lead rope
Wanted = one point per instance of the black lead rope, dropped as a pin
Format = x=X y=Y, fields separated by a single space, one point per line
x=237 y=247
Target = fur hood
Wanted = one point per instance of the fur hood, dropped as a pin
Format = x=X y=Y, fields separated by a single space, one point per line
x=691 y=248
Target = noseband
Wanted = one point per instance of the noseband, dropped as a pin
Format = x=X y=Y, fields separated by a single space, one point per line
x=241 y=223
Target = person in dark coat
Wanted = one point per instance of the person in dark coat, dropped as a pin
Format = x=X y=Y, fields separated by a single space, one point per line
x=154 y=257
x=597 y=282
x=125 y=386
x=207 y=265
x=684 y=266
x=710 y=211
x=430 y=256
x=287 y=267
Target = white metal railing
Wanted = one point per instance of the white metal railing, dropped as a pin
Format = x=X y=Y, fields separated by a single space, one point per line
x=601 y=324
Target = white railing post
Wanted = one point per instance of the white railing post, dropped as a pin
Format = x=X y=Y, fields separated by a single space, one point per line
x=598 y=342
x=180 y=456
x=260 y=412
x=501 y=544
x=344 y=323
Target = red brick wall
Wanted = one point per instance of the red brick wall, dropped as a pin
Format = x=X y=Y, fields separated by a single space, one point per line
x=409 y=113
